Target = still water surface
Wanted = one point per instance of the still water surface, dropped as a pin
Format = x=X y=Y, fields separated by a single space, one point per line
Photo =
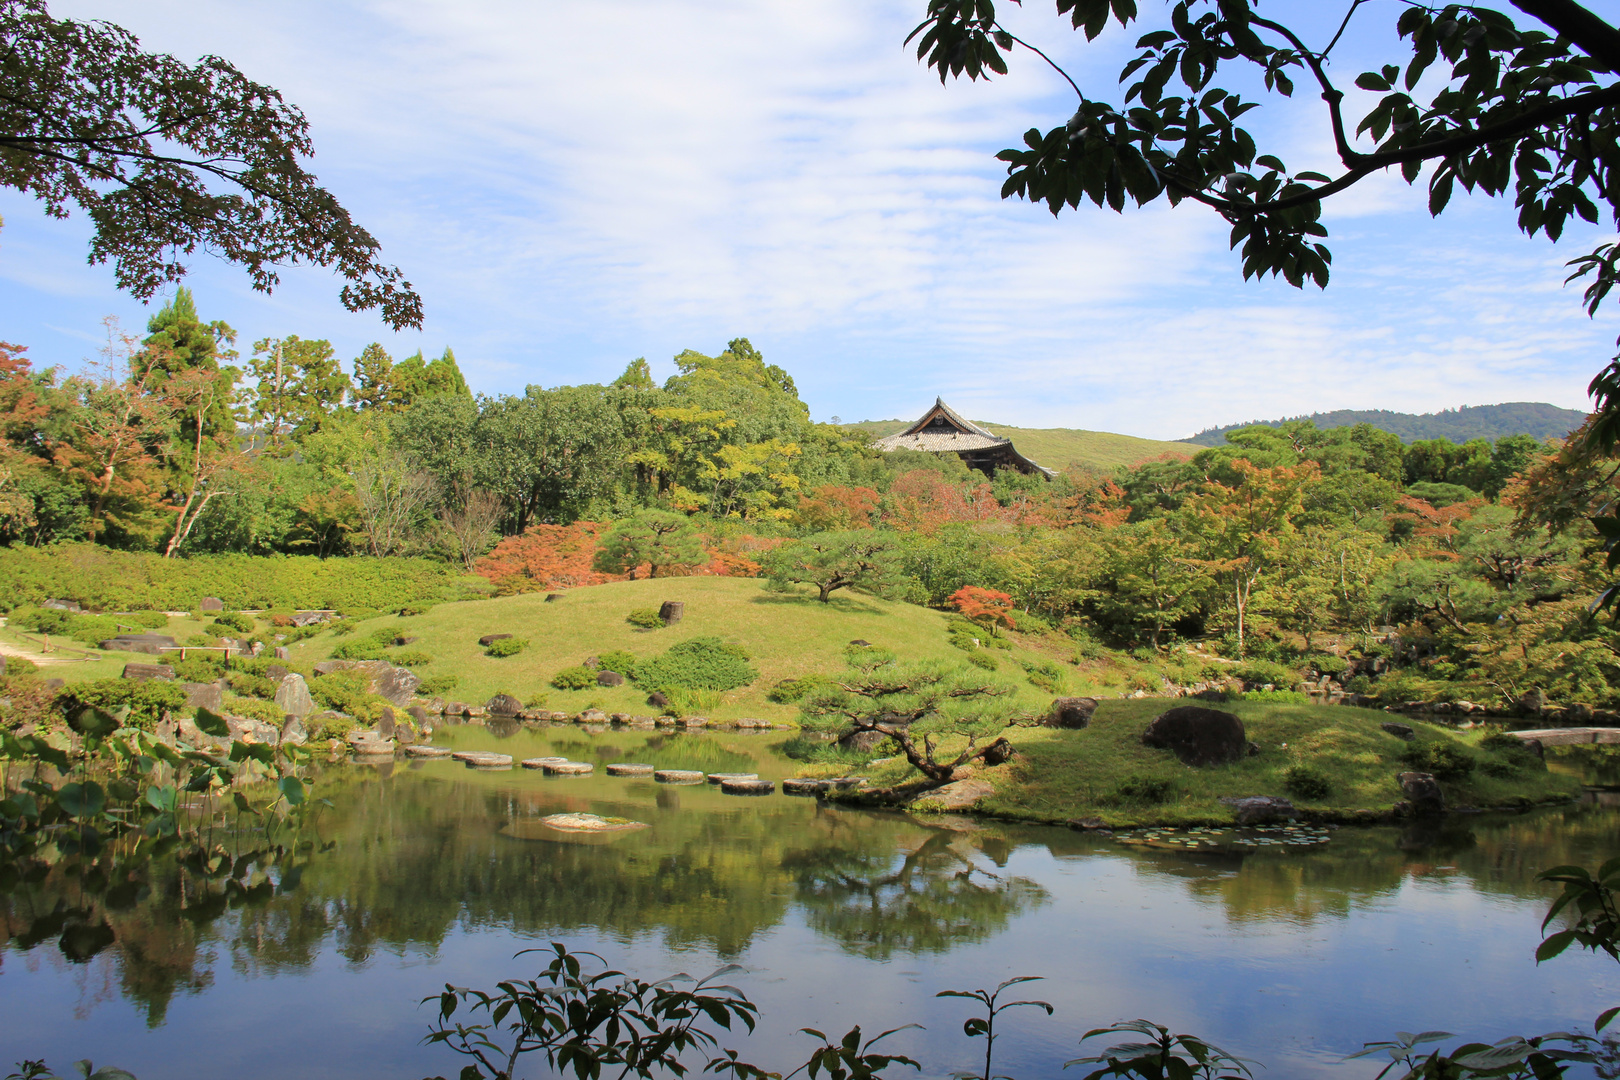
x=433 y=873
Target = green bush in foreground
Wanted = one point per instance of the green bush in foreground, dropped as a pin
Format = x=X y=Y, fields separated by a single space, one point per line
x=137 y=704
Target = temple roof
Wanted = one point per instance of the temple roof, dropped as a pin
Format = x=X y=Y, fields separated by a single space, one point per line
x=943 y=430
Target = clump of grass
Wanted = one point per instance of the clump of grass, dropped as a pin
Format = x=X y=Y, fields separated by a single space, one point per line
x=1307 y=781
x=646 y=618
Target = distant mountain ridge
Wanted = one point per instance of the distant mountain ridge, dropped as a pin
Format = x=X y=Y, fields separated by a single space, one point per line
x=1459 y=425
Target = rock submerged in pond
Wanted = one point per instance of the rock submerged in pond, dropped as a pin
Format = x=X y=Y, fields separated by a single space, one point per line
x=591 y=823
x=722 y=777
x=629 y=768
x=678 y=776
x=1071 y=712
x=1260 y=809
x=1198 y=736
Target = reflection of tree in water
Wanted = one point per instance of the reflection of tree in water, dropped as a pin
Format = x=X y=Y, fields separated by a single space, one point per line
x=938 y=897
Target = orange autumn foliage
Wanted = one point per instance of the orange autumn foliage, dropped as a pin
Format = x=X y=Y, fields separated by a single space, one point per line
x=983 y=605
x=923 y=500
x=549 y=557
x=833 y=507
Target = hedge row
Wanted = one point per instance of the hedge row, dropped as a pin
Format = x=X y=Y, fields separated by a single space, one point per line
x=105 y=580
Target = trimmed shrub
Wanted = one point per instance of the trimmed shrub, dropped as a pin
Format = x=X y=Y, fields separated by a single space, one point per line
x=1043 y=674
x=359 y=649
x=1328 y=664
x=435 y=685
x=704 y=663
x=1444 y=760
x=506 y=647
x=198 y=669
x=1306 y=781
x=234 y=620
x=789 y=691
x=1265 y=671
x=980 y=659
x=330 y=727
x=535 y=701
x=615 y=660
x=254 y=709
x=578 y=677
x=136 y=704
x=250 y=685
x=343 y=627
x=412 y=658
x=1152 y=790
x=20 y=665
x=151 y=620
x=647 y=618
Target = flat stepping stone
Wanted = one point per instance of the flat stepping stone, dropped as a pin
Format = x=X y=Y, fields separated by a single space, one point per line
x=845 y=781
x=747 y=787
x=591 y=823
x=484 y=759
x=541 y=762
x=418 y=751
x=629 y=768
x=373 y=748
x=568 y=768
x=804 y=785
x=678 y=776
x=722 y=777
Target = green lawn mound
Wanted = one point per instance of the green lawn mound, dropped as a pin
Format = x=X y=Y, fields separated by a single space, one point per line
x=1104 y=771
x=786 y=637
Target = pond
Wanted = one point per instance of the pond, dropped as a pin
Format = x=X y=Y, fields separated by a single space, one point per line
x=430 y=872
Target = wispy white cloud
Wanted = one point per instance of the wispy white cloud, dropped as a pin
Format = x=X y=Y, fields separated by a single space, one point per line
x=571 y=186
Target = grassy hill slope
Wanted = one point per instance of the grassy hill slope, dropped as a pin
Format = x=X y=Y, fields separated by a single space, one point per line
x=1056 y=448
x=788 y=636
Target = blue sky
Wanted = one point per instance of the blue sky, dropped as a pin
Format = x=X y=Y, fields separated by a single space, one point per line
x=573 y=185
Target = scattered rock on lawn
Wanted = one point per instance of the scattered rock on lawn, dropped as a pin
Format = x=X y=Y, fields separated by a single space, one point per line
x=143 y=672
x=292 y=696
x=282 y=653
x=405 y=641
x=275 y=673
x=657 y=700
x=998 y=753
x=211 y=603
x=1400 y=731
x=552 y=598
x=504 y=705
x=1198 y=736
x=1071 y=712
x=609 y=678
x=1260 y=809
x=489 y=639
x=1423 y=794
x=959 y=795
x=672 y=611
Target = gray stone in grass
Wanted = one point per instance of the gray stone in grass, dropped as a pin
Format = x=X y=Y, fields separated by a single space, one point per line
x=293 y=698
x=205 y=695
x=282 y=653
x=1198 y=736
x=489 y=639
x=1400 y=731
x=211 y=603
x=504 y=705
x=143 y=672
x=609 y=678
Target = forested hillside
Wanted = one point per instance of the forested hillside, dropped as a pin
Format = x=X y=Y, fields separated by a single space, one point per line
x=188 y=465
x=1536 y=419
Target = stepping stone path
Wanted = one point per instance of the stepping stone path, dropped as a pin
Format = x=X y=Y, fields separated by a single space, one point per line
x=803 y=785
x=747 y=787
x=678 y=776
x=483 y=759
x=542 y=762
x=629 y=768
x=568 y=768
x=373 y=748
x=722 y=777
x=428 y=751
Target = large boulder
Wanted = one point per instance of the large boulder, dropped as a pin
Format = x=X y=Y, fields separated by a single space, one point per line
x=293 y=732
x=275 y=673
x=1199 y=736
x=1071 y=712
x=504 y=705
x=205 y=695
x=1423 y=794
x=609 y=678
x=999 y=753
x=397 y=684
x=292 y=696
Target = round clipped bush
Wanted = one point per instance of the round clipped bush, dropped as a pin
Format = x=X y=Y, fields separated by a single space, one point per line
x=234 y=620
x=647 y=618
x=438 y=684
x=615 y=660
x=1307 y=782
x=704 y=663
x=506 y=647
x=1441 y=759
x=412 y=658
x=578 y=677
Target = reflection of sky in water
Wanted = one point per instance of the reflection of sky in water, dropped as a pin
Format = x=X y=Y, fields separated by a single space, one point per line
x=1292 y=958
